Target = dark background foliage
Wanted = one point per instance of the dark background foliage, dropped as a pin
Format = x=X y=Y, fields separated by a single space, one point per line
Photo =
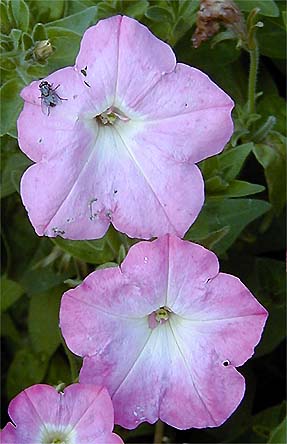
x=242 y=219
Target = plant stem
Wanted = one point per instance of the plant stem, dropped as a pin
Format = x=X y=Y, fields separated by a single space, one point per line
x=254 y=58
x=158 y=434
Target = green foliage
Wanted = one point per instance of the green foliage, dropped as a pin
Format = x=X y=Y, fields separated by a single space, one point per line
x=66 y=44
x=232 y=215
x=14 y=167
x=95 y=252
x=78 y=22
x=267 y=8
x=10 y=292
x=278 y=434
x=11 y=104
x=273 y=40
x=43 y=321
x=38 y=37
x=26 y=369
x=270 y=289
x=268 y=425
x=272 y=156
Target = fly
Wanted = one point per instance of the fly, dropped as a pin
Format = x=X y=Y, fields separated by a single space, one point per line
x=49 y=97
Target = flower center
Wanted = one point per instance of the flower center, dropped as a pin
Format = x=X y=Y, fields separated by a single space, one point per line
x=111 y=116
x=55 y=438
x=51 y=434
x=159 y=316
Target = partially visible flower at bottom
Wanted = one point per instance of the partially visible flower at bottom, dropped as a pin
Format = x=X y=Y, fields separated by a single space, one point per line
x=82 y=414
x=164 y=332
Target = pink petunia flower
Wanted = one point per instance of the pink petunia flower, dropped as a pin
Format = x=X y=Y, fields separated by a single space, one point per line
x=164 y=332
x=82 y=414
x=118 y=137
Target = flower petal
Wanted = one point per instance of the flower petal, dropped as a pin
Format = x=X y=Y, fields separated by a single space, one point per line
x=185 y=115
x=8 y=434
x=119 y=146
x=124 y=310
x=97 y=61
x=189 y=360
x=136 y=396
x=163 y=196
x=190 y=267
x=78 y=194
x=32 y=408
x=43 y=136
x=142 y=61
x=93 y=416
x=209 y=391
x=84 y=411
x=228 y=310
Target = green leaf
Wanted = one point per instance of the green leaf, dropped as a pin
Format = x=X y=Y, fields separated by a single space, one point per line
x=4 y=19
x=272 y=38
x=39 y=32
x=66 y=44
x=267 y=7
x=26 y=369
x=238 y=188
x=272 y=239
x=235 y=214
x=11 y=104
x=78 y=22
x=232 y=161
x=43 y=321
x=15 y=35
x=58 y=371
x=206 y=58
x=228 y=164
x=93 y=252
x=27 y=41
x=108 y=265
x=41 y=279
x=272 y=156
x=11 y=291
x=20 y=13
x=12 y=172
x=270 y=289
x=21 y=237
x=223 y=36
x=278 y=435
x=121 y=254
x=136 y=9
x=271 y=104
x=8 y=328
x=220 y=171
x=159 y=14
x=187 y=8
x=266 y=421
x=213 y=238
x=47 y=10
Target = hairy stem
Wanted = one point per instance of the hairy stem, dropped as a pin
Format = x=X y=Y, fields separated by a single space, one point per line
x=254 y=59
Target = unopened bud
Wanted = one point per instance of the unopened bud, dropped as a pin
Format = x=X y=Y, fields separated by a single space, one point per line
x=43 y=50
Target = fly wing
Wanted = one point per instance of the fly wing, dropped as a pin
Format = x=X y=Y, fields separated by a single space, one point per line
x=54 y=99
x=45 y=108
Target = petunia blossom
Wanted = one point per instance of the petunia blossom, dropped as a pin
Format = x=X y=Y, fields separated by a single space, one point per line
x=164 y=332
x=81 y=414
x=121 y=138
